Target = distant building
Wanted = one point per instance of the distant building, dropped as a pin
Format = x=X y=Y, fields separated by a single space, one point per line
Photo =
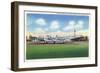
x=82 y=38
x=56 y=37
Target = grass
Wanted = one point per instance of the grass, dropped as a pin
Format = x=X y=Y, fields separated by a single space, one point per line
x=69 y=50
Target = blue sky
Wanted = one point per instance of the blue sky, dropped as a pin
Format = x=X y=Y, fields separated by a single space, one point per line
x=55 y=22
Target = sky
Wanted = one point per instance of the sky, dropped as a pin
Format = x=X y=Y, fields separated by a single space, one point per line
x=44 y=23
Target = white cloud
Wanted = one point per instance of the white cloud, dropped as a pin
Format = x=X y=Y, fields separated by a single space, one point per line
x=58 y=31
x=79 y=25
x=40 y=22
x=80 y=22
x=73 y=25
x=46 y=29
x=54 y=25
x=39 y=30
x=70 y=26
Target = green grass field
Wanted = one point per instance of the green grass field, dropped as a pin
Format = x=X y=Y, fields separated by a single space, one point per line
x=69 y=50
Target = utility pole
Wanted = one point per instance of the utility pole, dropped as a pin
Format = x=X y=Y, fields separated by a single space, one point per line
x=74 y=32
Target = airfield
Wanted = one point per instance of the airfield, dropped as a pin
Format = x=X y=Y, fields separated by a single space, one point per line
x=67 y=50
